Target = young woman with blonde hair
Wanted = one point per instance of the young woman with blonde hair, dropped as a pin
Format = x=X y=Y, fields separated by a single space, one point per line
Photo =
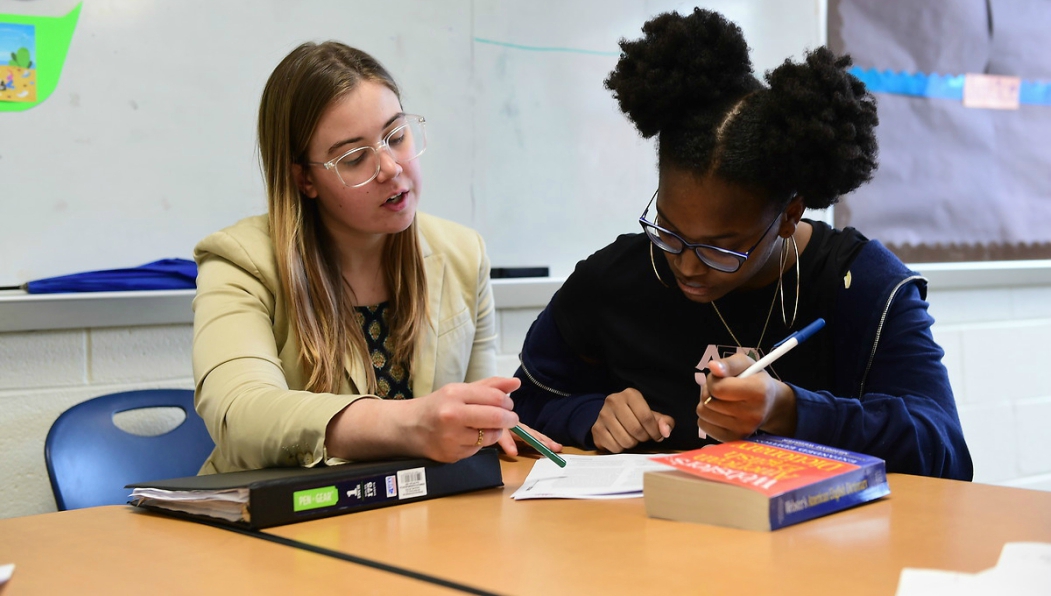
x=344 y=325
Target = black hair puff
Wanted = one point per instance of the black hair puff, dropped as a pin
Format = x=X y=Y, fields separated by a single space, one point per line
x=689 y=79
x=682 y=65
x=820 y=135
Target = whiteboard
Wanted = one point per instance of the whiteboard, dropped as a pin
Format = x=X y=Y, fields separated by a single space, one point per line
x=148 y=142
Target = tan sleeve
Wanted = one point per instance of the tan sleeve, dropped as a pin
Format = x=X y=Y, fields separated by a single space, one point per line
x=242 y=389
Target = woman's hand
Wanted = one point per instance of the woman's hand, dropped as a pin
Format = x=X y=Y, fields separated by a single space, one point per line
x=739 y=407
x=457 y=420
x=626 y=420
x=509 y=441
x=448 y=425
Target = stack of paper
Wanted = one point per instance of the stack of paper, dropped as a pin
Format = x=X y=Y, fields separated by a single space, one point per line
x=228 y=504
x=588 y=477
x=1024 y=569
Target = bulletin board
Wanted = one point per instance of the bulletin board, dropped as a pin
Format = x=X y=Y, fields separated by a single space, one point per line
x=959 y=179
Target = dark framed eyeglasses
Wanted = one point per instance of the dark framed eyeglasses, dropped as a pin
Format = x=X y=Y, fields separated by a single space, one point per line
x=720 y=259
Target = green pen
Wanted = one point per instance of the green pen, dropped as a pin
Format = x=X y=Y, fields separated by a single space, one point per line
x=533 y=442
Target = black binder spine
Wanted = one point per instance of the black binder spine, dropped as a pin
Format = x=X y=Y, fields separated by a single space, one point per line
x=300 y=499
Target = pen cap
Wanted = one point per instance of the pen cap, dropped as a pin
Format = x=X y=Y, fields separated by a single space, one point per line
x=809 y=330
x=804 y=333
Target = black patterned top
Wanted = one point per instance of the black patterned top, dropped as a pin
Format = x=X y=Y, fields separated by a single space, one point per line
x=392 y=378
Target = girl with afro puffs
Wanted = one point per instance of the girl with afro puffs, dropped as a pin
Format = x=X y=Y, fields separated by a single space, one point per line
x=642 y=343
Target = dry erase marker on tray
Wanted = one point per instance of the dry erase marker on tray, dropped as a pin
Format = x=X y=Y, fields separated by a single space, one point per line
x=528 y=438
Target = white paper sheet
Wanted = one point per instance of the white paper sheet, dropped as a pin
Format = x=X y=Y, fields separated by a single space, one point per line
x=588 y=477
x=1024 y=569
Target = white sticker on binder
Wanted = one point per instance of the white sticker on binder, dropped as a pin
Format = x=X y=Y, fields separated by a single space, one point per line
x=412 y=483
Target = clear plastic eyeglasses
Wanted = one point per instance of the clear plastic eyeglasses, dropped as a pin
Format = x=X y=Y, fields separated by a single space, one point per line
x=361 y=165
x=720 y=259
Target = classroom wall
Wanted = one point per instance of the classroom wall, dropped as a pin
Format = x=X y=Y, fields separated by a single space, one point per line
x=991 y=337
x=153 y=120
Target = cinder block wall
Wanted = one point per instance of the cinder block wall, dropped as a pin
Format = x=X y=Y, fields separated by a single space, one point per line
x=995 y=342
x=998 y=353
x=42 y=373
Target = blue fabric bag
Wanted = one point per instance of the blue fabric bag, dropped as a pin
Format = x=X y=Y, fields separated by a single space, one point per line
x=166 y=274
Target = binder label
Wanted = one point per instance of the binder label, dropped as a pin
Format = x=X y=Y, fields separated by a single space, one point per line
x=412 y=483
x=314 y=498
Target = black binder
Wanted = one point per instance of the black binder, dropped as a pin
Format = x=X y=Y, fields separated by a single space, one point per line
x=257 y=499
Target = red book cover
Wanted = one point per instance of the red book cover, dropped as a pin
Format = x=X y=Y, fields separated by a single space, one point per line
x=771 y=465
x=763 y=482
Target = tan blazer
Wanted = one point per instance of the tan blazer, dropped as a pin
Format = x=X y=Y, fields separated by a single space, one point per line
x=245 y=355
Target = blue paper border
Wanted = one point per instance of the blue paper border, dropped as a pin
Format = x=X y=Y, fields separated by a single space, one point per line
x=938 y=86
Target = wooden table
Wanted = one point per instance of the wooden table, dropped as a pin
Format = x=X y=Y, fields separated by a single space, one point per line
x=554 y=547
x=119 y=550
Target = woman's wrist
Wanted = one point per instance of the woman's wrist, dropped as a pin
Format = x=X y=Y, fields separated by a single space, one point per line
x=368 y=428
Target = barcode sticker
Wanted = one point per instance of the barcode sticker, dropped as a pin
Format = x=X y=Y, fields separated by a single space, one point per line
x=412 y=483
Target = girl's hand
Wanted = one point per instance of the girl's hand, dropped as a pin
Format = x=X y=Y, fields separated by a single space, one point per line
x=740 y=407
x=626 y=420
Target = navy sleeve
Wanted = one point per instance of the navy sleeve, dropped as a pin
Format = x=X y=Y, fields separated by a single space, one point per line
x=552 y=398
x=906 y=413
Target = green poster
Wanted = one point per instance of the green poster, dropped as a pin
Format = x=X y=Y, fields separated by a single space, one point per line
x=32 y=52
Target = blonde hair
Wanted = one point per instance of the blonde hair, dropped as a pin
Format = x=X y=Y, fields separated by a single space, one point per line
x=321 y=305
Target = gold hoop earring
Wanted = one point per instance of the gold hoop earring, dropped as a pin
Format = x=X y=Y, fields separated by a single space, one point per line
x=782 y=261
x=653 y=263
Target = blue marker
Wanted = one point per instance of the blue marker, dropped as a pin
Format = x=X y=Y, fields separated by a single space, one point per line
x=783 y=346
x=780 y=348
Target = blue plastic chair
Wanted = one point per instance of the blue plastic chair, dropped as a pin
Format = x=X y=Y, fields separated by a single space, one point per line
x=90 y=460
